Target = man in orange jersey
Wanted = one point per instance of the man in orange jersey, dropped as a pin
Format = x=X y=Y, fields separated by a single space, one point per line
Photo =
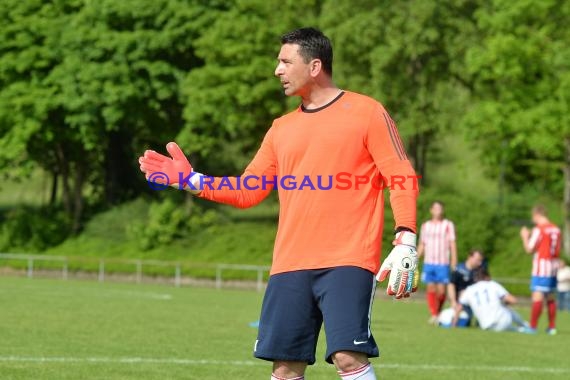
x=544 y=244
x=326 y=258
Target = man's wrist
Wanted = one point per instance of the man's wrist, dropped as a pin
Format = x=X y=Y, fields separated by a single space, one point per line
x=405 y=238
x=194 y=185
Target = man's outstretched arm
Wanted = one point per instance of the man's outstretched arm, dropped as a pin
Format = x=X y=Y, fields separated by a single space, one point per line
x=242 y=192
x=452 y=293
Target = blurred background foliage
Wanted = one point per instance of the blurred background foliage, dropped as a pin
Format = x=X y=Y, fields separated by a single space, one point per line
x=480 y=90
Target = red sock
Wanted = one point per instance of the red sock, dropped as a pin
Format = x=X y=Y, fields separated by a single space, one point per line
x=535 y=313
x=441 y=301
x=551 y=305
x=432 y=302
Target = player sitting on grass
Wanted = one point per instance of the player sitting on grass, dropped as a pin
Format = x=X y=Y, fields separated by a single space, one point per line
x=461 y=278
x=489 y=302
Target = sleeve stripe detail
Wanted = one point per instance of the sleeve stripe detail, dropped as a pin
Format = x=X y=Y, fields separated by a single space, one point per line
x=395 y=137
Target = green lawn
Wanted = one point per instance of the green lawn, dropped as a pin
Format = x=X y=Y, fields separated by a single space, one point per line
x=54 y=329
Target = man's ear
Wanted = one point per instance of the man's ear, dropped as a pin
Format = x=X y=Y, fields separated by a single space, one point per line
x=316 y=67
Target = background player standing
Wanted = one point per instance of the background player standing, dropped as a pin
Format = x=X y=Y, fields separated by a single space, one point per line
x=327 y=248
x=437 y=244
x=544 y=244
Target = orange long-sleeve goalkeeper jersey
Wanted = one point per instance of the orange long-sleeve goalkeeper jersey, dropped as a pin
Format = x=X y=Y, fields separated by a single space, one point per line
x=326 y=164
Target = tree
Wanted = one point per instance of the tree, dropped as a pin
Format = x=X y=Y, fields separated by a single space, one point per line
x=404 y=53
x=520 y=73
x=29 y=50
x=86 y=85
x=232 y=99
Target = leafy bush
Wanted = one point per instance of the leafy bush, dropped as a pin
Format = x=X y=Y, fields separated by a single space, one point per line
x=32 y=229
x=168 y=220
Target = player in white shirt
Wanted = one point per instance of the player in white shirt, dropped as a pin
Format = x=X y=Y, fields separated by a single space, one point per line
x=488 y=300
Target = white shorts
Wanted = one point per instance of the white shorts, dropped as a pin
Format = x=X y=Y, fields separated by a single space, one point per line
x=504 y=323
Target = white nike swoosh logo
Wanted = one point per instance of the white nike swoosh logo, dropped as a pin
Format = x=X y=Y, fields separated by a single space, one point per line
x=358 y=342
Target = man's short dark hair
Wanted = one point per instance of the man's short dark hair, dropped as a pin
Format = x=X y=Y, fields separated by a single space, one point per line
x=540 y=210
x=313 y=44
x=481 y=274
x=437 y=202
x=475 y=251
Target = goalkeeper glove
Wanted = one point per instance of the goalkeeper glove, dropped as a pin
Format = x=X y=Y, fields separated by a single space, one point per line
x=402 y=266
x=172 y=170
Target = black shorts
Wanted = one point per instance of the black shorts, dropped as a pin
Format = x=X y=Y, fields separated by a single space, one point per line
x=296 y=304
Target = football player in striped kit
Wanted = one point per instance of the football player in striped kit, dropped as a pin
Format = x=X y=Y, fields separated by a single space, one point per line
x=437 y=245
x=543 y=242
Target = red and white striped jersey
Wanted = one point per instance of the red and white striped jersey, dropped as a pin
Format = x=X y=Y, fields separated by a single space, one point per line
x=545 y=243
x=437 y=235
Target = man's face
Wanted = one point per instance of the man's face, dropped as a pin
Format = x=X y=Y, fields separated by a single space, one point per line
x=436 y=211
x=292 y=70
x=475 y=260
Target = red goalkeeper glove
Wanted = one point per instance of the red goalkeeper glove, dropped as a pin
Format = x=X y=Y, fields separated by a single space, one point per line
x=402 y=266
x=175 y=170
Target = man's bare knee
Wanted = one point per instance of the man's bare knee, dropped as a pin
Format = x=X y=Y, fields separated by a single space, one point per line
x=289 y=370
x=349 y=360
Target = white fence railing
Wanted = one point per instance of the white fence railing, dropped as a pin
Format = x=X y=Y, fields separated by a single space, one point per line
x=255 y=268
x=63 y=263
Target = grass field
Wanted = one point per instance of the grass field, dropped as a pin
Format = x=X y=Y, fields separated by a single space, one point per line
x=54 y=329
